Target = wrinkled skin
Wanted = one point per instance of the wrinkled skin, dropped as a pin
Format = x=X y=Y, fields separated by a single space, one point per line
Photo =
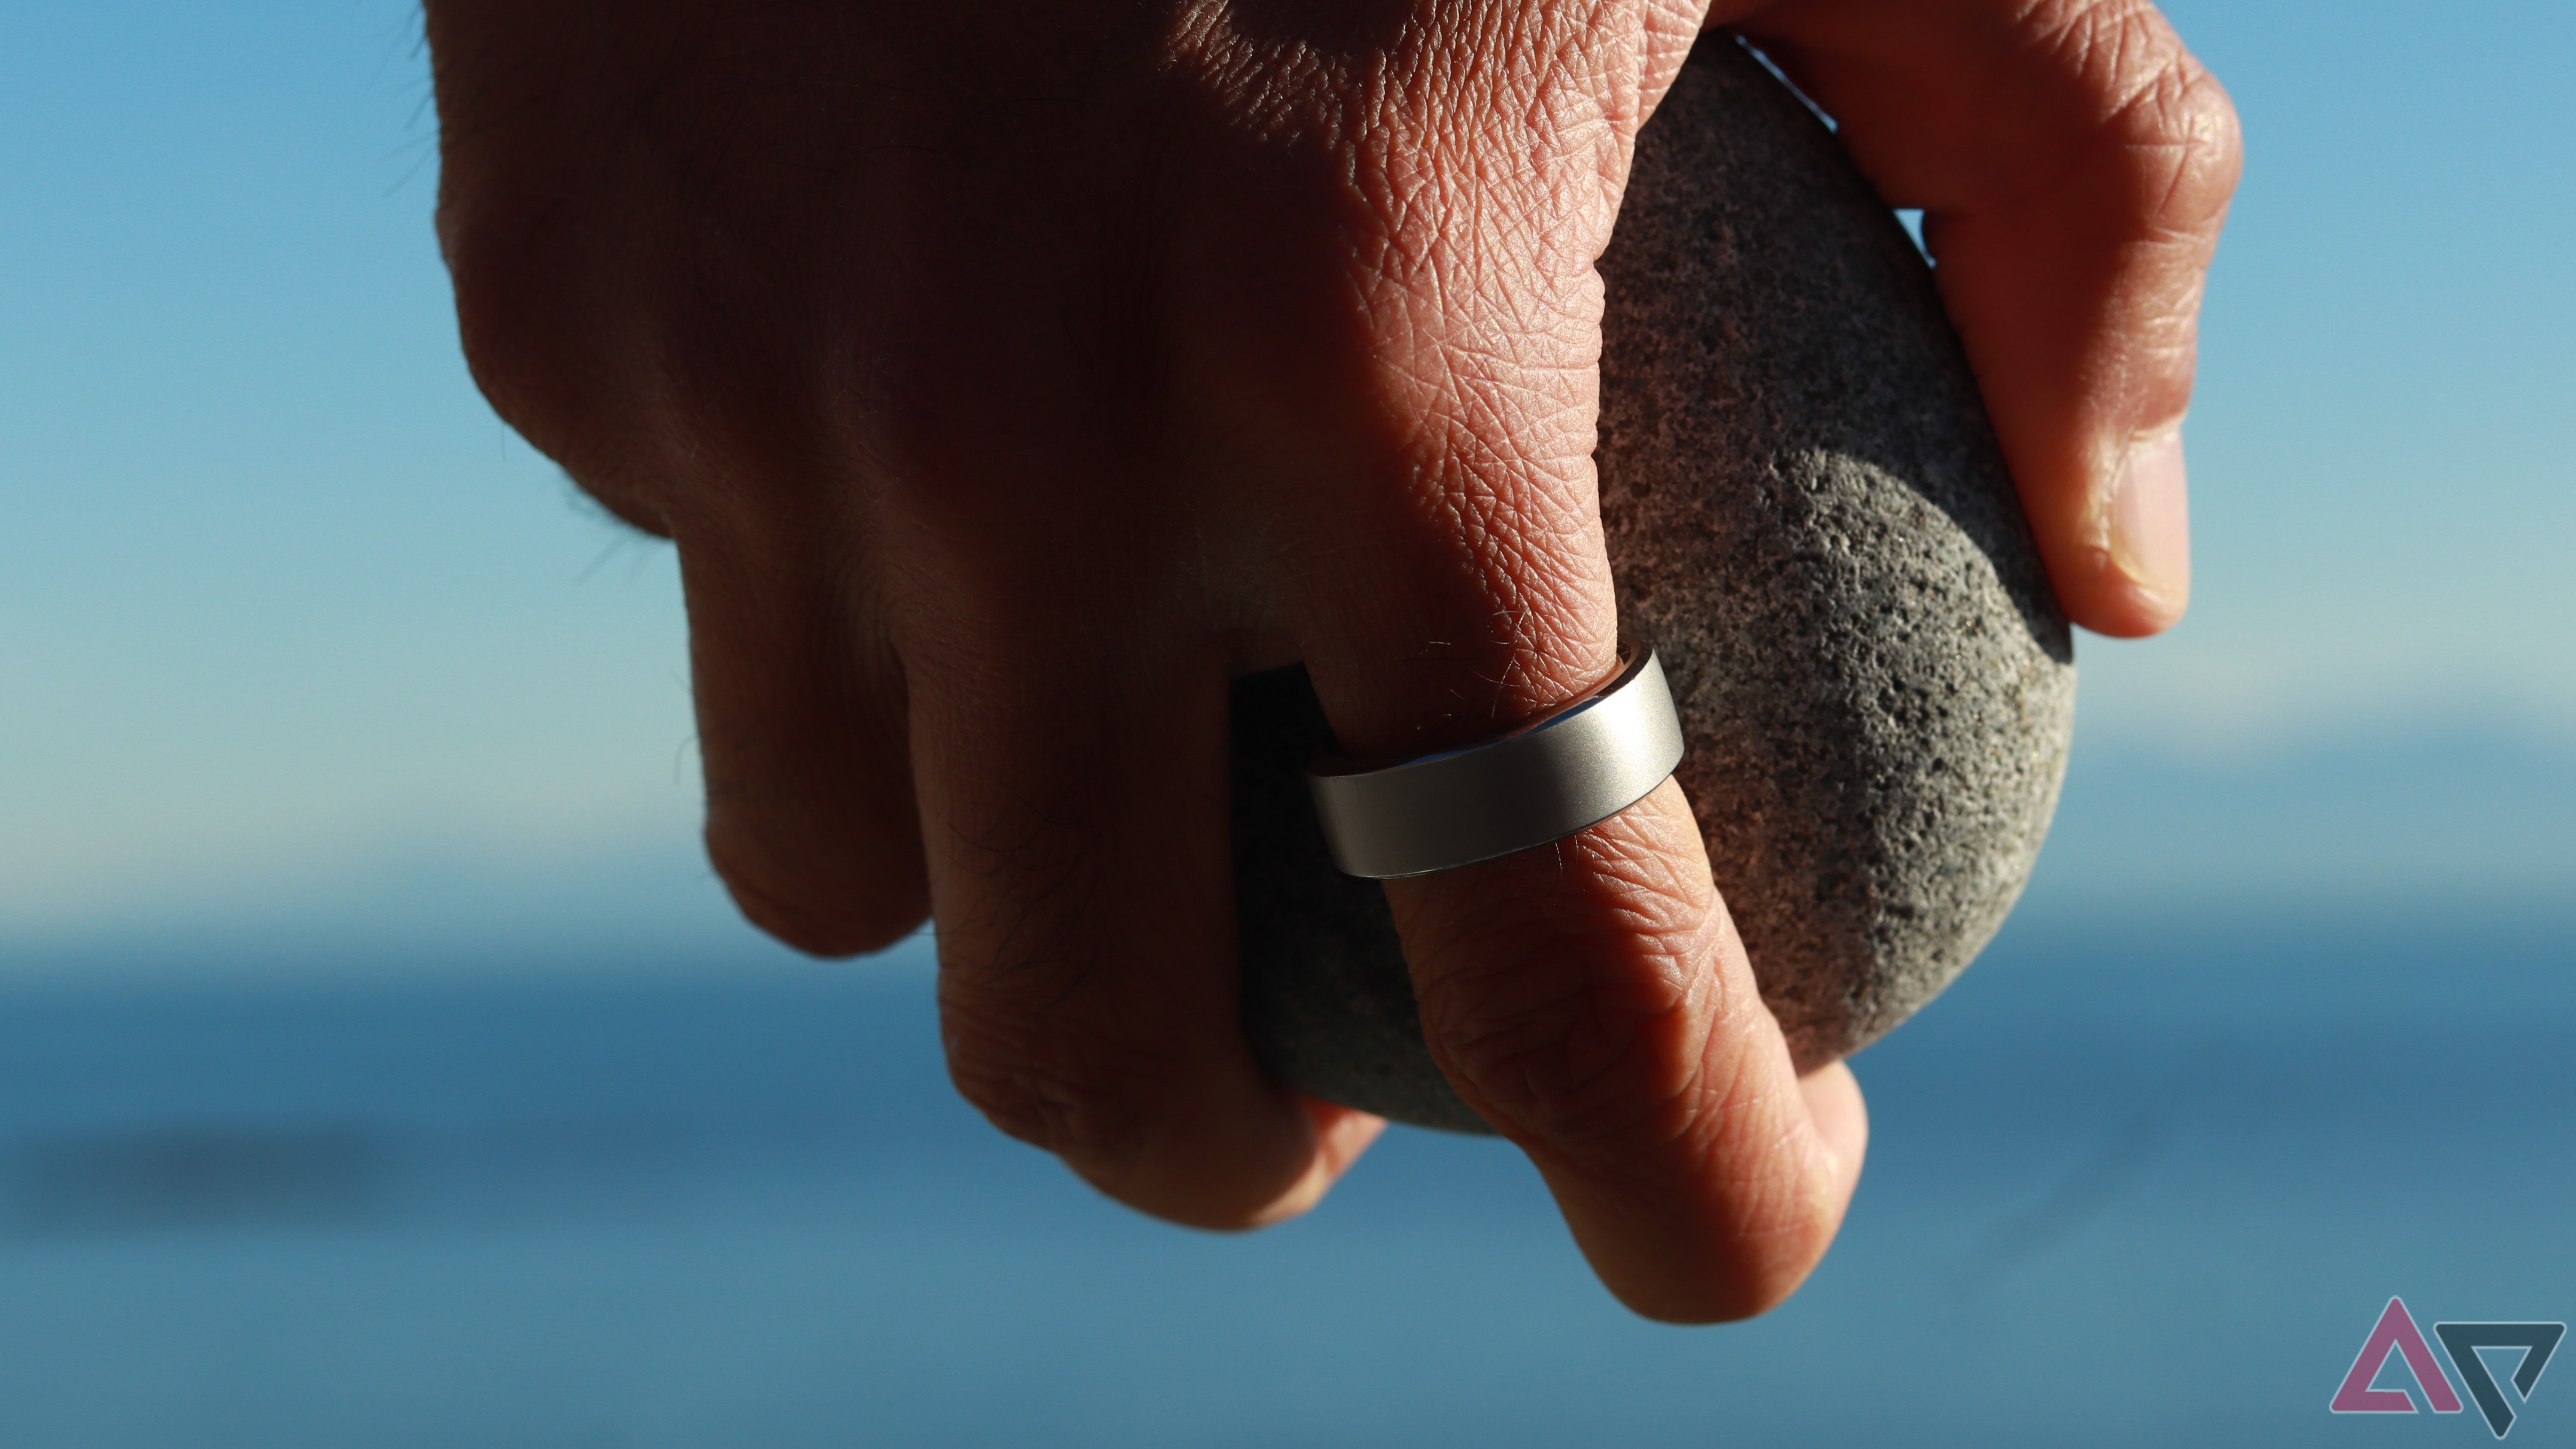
x=1010 y=375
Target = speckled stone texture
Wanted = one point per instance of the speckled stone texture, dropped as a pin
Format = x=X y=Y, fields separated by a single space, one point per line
x=1809 y=518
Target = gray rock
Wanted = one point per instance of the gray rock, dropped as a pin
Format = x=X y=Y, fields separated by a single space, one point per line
x=1809 y=518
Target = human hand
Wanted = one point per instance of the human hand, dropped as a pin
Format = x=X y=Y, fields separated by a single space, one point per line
x=1010 y=376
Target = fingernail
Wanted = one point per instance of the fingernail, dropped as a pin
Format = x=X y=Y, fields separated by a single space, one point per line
x=2151 y=519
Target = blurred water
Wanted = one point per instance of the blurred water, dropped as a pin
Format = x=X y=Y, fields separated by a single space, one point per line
x=2132 y=1182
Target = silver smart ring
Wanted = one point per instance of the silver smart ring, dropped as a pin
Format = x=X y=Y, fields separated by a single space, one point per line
x=1542 y=782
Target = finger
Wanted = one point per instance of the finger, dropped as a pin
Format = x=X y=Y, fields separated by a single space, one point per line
x=1592 y=1001
x=2073 y=163
x=810 y=816
x=1074 y=809
x=1589 y=998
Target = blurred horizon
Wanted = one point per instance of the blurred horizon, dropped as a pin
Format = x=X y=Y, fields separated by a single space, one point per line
x=2135 y=1183
x=2458 y=822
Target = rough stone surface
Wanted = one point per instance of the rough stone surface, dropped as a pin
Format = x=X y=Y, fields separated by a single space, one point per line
x=1808 y=516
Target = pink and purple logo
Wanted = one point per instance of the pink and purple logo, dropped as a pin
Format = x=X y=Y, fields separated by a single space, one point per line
x=2396 y=1333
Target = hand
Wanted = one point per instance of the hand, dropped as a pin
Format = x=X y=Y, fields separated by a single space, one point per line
x=1010 y=375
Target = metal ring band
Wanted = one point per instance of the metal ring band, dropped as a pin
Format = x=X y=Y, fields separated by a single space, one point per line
x=1543 y=782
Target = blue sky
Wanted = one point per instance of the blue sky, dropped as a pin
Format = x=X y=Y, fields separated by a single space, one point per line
x=296 y=637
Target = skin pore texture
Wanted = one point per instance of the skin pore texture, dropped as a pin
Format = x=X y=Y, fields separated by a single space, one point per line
x=1011 y=375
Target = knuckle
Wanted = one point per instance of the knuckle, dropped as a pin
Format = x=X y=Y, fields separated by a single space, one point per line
x=1557 y=1075
x=2209 y=141
x=519 y=288
x=1029 y=1019
x=2172 y=120
x=833 y=914
x=504 y=288
x=635 y=377
x=1580 y=1013
x=1066 y=1092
